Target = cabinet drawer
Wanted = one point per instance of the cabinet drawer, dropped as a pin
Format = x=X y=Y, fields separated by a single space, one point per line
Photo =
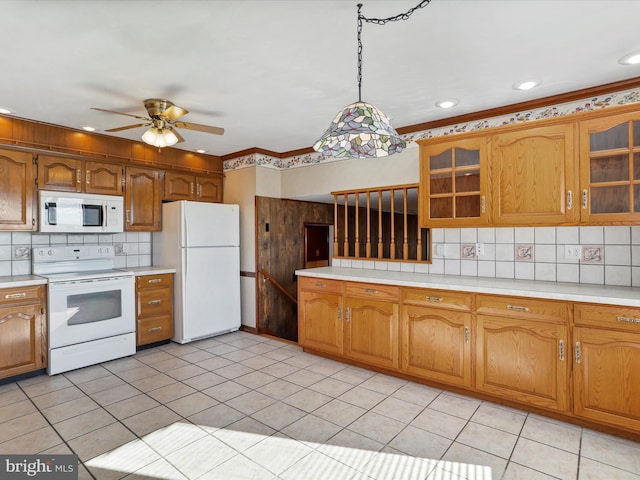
x=320 y=285
x=517 y=307
x=153 y=281
x=373 y=291
x=437 y=298
x=20 y=295
x=619 y=318
x=154 y=302
x=154 y=329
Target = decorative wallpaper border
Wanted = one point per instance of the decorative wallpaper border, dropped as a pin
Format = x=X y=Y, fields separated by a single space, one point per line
x=595 y=103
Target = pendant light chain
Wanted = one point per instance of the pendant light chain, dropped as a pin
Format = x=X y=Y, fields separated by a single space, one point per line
x=379 y=21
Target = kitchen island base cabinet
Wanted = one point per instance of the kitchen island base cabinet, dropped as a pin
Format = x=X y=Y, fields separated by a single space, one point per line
x=23 y=344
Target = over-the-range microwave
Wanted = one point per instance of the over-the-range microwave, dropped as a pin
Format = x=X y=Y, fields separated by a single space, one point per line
x=70 y=212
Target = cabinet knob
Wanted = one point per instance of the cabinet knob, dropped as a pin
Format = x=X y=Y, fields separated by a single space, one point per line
x=128 y=216
x=466 y=335
x=78 y=176
x=483 y=204
x=88 y=177
x=585 y=199
x=578 y=353
x=561 y=350
x=569 y=199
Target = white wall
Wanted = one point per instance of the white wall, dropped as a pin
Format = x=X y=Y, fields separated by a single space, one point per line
x=240 y=188
x=351 y=174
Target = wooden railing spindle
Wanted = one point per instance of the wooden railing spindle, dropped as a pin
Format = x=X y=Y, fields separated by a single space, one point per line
x=368 y=247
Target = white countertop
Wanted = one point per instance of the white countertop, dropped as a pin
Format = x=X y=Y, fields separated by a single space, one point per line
x=576 y=292
x=151 y=270
x=21 y=281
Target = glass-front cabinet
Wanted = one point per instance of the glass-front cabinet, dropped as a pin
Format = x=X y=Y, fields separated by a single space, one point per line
x=610 y=169
x=453 y=182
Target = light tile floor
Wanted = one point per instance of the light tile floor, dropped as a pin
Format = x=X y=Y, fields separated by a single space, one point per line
x=242 y=406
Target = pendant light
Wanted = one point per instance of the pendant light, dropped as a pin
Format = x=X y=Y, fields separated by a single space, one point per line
x=362 y=130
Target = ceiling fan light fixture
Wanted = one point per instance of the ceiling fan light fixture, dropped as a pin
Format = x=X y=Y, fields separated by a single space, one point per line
x=159 y=137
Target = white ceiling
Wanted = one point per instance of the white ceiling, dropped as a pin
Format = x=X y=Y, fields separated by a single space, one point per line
x=274 y=73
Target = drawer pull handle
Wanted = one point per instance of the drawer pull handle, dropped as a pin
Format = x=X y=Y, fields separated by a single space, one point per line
x=15 y=295
x=433 y=299
x=348 y=314
x=569 y=199
x=466 y=334
x=155 y=329
x=369 y=290
x=561 y=350
x=78 y=175
x=578 y=353
x=339 y=314
x=321 y=285
x=628 y=319
x=154 y=302
x=585 y=199
x=518 y=308
x=483 y=205
x=155 y=280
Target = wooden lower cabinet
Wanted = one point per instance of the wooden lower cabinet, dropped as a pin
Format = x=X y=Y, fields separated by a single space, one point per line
x=437 y=344
x=606 y=354
x=23 y=335
x=154 y=308
x=580 y=361
x=523 y=360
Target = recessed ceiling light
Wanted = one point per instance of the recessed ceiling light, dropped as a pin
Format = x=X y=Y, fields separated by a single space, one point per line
x=528 y=85
x=630 y=59
x=200 y=150
x=452 y=102
x=5 y=111
x=89 y=129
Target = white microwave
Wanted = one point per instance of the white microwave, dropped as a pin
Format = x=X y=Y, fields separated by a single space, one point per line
x=70 y=212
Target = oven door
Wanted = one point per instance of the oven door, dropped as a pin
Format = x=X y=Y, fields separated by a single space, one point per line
x=85 y=310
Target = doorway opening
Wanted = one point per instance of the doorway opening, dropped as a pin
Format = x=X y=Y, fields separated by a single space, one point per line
x=317 y=245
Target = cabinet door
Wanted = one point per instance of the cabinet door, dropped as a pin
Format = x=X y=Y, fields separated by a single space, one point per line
x=21 y=340
x=103 y=178
x=209 y=189
x=523 y=360
x=60 y=174
x=179 y=186
x=534 y=173
x=607 y=376
x=437 y=344
x=453 y=183
x=142 y=199
x=16 y=191
x=610 y=169
x=372 y=333
x=320 y=324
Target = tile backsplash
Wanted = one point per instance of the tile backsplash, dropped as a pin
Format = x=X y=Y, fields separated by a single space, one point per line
x=594 y=255
x=133 y=249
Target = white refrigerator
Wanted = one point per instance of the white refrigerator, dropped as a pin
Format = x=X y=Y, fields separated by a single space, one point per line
x=202 y=242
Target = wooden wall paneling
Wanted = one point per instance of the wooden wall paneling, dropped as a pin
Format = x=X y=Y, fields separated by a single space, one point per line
x=280 y=252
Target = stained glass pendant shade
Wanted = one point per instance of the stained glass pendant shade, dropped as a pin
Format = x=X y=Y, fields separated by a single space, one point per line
x=360 y=130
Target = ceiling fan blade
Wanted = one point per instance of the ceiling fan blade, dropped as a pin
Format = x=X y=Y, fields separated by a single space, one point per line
x=120 y=113
x=174 y=112
x=127 y=127
x=180 y=138
x=200 y=128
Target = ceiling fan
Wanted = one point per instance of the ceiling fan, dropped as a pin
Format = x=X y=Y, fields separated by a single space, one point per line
x=162 y=120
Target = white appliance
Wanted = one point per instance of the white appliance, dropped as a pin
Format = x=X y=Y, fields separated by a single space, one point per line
x=91 y=306
x=202 y=242
x=73 y=212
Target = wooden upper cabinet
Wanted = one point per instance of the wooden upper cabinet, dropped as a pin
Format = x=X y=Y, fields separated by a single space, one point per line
x=16 y=191
x=142 y=199
x=534 y=175
x=103 y=178
x=209 y=189
x=179 y=186
x=185 y=186
x=610 y=169
x=453 y=182
x=75 y=175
